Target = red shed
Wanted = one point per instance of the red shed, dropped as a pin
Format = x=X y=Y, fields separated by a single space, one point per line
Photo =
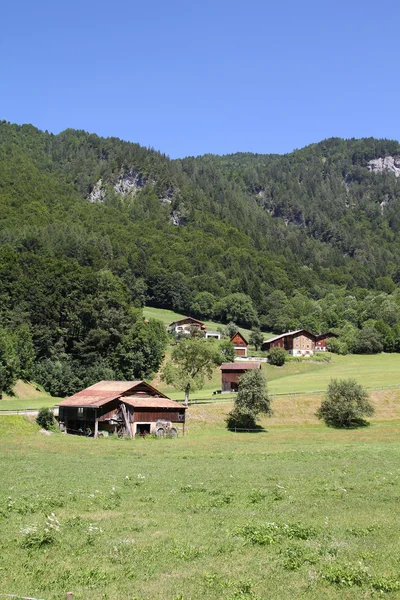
x=240 y=344
x=231 y=372
x=131 y=407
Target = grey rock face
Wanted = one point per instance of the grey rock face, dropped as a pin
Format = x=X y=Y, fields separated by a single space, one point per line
x=97 y=193
x=388 y=163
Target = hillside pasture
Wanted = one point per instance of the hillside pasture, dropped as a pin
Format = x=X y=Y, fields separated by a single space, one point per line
x=371 y=370
x=295 y=512
x=27 y=395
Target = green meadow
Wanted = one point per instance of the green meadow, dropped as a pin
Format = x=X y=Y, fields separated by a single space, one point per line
x=297 y=511
x=371 y=370
x=377 y=371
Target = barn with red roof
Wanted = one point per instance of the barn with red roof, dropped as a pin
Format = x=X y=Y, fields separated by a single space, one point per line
x=129 y=407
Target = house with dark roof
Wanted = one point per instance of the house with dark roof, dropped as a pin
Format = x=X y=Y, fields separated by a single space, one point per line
x=186 y=326
x=299 y=343
x=231 y=373
x=122 y=407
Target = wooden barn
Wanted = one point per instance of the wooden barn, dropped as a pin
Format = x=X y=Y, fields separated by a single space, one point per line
x=298 y=343
x=185 y=325
x=122 y=407
x=240 y=344
x=231 y=373
x=321 y=339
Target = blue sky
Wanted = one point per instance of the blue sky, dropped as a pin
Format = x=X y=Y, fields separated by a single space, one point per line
x=190 y=78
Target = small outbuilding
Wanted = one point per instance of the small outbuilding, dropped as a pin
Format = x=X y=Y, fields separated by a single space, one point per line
x=240 y=344
x=121 y=407
x=231 y=373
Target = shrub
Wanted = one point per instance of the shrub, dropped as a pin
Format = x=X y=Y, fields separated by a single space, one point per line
x=277 y=357
x=45 y=418
x=345 y=405
x=337 y=346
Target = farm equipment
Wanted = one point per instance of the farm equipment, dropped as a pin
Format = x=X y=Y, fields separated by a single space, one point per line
x=165 y=428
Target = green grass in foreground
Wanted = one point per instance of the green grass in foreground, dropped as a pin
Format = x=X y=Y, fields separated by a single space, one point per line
x=297 y=512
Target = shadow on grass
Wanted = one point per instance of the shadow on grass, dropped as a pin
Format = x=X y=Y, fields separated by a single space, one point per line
x=240 y=428
x=354 y=424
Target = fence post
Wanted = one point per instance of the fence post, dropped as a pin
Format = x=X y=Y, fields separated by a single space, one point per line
x=69 y=596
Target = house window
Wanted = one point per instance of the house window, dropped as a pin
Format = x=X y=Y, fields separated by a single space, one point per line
x=80 y=412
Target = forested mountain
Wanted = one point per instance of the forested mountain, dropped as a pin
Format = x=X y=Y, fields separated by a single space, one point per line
x=93 y=228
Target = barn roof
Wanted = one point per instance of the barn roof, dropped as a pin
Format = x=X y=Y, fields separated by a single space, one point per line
x=288 y=333
x=240 y=366
x=192 y=319
x=140 y=401
x=104 y=391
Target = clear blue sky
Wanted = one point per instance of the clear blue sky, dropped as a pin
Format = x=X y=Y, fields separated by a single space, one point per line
x=217 y=76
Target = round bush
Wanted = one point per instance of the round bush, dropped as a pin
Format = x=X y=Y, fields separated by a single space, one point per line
x=345 y=405
x=277 y=357
x=46 y=418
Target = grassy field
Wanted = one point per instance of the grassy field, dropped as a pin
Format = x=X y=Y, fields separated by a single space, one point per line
x=309 y=376
x=27 y=395
x=371 y=371
x=299 y=511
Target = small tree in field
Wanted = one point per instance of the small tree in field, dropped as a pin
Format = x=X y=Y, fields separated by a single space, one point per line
x=277 y=357
x=230 y=330
x=193 y=360
x=227 y=350
x=256 y=338
x=251 y=401
x=345 y=405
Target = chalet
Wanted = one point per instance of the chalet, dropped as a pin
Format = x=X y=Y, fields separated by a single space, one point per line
x=298 y=343
x=231 y=373
x=131 y=407
x=240 y=344
x=321 y=339
x=186 y=325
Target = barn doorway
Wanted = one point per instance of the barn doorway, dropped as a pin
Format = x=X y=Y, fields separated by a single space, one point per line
x=143 y=429
x=234 y=386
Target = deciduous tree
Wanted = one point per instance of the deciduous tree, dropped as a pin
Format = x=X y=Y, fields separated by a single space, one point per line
x=192 y=361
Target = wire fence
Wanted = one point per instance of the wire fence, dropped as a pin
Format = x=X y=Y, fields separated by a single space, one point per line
x=294 y=394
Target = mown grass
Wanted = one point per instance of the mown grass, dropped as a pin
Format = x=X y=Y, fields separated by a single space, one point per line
x=373 y=371
x=295 y=512
x=27 y=395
